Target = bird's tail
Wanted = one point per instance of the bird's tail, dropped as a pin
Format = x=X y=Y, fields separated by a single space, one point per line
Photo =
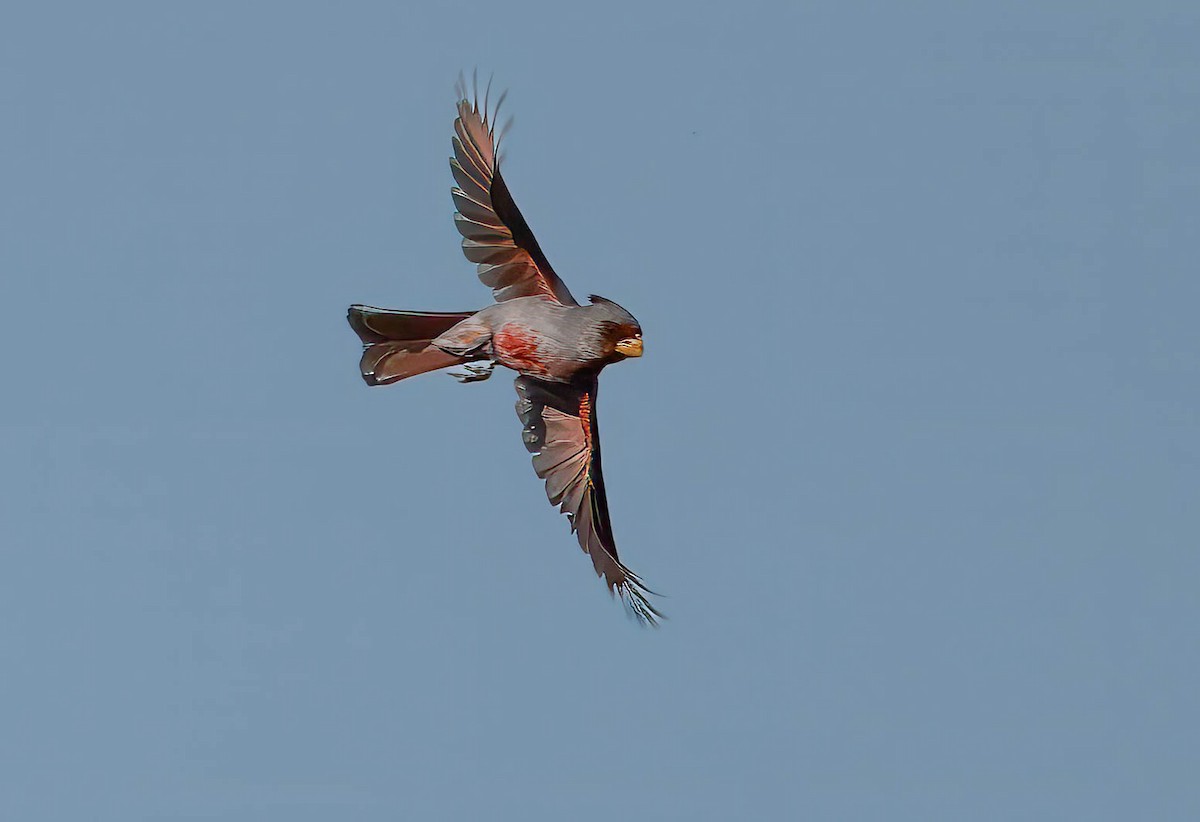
x=396 y=344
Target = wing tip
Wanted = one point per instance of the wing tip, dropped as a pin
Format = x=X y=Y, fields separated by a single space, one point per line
x=468 y=103
x=635 y=599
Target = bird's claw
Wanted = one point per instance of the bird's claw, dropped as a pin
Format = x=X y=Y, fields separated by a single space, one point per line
x=474 y=373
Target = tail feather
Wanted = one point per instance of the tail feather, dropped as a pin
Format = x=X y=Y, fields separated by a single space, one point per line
x=374 y=325
x=396 y=344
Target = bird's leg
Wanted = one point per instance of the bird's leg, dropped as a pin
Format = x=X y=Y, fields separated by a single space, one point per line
x=474 y=373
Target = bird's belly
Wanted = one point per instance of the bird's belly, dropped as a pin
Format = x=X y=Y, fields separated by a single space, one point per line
x=520 y=349
x=533 y=353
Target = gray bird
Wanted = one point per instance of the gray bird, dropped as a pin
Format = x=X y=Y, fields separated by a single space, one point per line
x=536 y=328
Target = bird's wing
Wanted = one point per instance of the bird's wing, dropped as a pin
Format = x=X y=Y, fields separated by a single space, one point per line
x=495 y=235
x=561 y=432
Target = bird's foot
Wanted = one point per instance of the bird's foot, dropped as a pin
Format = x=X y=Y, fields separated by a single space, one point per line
x=474 y=373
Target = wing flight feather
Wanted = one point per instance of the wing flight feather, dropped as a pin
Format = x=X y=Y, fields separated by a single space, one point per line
x=561 y=431
x=495 y=235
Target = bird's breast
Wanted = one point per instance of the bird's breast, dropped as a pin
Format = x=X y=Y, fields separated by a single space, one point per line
x=520 y=349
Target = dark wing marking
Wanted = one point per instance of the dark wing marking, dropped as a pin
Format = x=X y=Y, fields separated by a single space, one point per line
x=495 y=234
x=561 y=432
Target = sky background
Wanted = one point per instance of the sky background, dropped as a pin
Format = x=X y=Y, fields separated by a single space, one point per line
x=914 y=449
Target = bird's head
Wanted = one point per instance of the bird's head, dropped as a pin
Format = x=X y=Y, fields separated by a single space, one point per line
x=621 y=335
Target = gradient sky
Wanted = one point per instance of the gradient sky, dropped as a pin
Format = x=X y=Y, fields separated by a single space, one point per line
x=914 y=449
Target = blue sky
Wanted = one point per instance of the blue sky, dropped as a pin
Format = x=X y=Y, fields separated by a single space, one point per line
x=913 y=450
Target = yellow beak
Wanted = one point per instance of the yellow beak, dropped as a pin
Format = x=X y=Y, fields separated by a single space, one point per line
x=630 y=347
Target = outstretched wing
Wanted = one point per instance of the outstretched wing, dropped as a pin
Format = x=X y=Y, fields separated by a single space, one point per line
x=495 y=235
x=561 y=432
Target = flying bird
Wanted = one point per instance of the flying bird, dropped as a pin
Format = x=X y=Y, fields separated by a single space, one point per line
x=535 y=328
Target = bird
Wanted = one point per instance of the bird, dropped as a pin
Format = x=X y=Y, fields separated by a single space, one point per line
x=535 y=327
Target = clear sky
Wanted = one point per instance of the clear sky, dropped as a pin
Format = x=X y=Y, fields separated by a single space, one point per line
x=913 y=450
